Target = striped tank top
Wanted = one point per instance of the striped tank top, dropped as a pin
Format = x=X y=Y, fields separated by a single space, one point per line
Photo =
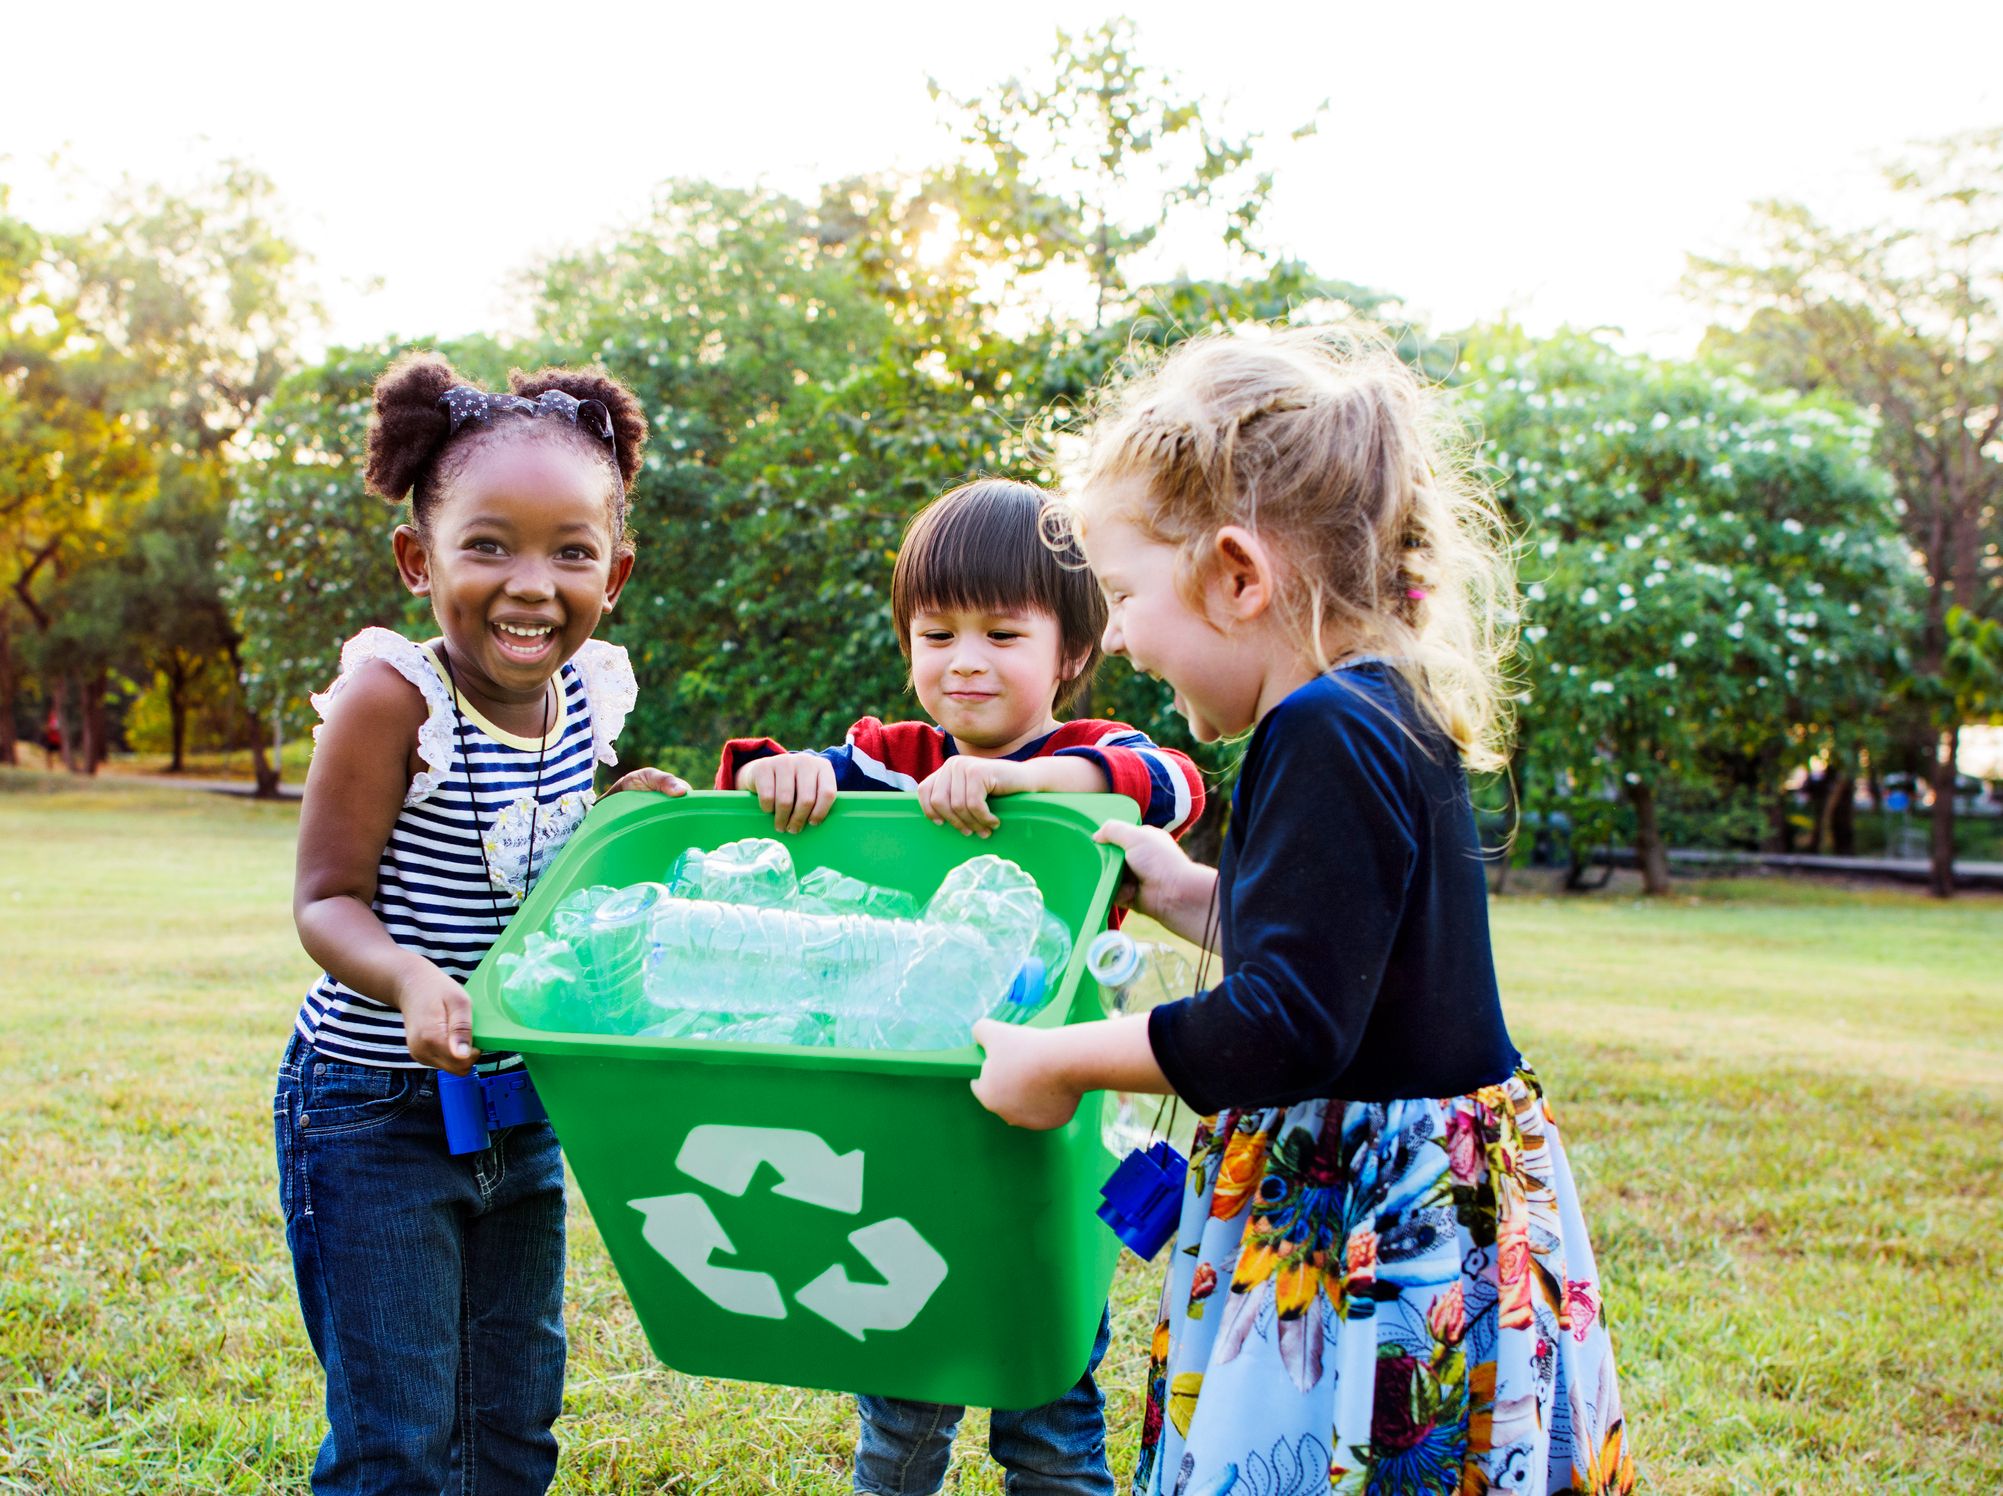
x=433 y=892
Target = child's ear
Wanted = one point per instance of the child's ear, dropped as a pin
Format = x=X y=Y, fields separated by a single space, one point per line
x=413 y=563
x=1241 y=573
x=622 y=571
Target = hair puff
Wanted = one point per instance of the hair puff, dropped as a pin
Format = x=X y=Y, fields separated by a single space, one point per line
x=409 y=426
x=629 y=420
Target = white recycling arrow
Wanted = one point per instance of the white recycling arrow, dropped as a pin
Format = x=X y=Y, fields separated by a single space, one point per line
x=911 y=1269
x=684 y=1231
x=726 y=1158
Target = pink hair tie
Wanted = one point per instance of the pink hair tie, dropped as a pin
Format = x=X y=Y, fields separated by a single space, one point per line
x=1415 y=594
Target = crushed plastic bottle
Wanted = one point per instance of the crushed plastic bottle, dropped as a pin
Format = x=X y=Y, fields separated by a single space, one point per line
x=569 y=920
x=757 y=872
x=1053 y=949
x=544 y=985
x=825 y=891
x=612 y=949
x=782 y=960
x=1134 y=976
x=735 y=961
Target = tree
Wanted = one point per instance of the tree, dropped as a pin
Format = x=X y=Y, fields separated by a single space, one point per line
x=1904 y=317
x=187 y=305
x=1712 y=572
x=1087 y=165
x=802 y=409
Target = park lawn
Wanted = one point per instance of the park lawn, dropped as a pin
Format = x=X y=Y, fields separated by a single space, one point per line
x=1784 y=1104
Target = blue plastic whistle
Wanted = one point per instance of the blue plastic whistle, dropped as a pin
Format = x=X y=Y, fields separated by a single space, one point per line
x=1144 y=1197
x=475 y=1105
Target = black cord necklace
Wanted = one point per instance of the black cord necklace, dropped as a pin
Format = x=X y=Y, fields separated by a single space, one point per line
x=473 y=799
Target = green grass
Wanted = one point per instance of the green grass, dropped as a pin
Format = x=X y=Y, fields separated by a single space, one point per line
x=1785 y=1104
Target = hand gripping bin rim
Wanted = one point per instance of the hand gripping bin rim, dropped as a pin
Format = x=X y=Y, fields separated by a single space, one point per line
x=1011 y=1213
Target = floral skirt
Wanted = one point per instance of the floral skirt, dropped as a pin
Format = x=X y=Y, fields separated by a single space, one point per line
x=1394 y=1298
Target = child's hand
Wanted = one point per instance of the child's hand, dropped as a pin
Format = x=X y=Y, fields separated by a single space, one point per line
x=658 y=780
x=957 y=793
x=1021 y=1080
x=437 y=1019
x=1160 y=879
x=797 y=788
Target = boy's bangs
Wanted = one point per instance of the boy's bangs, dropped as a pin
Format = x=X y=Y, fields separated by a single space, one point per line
x=981 y=548
x=984 y=562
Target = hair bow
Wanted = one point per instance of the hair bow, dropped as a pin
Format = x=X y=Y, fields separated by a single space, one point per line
x=463 y=403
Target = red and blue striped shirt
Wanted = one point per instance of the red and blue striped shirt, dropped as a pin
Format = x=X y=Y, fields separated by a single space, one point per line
x=902 y=755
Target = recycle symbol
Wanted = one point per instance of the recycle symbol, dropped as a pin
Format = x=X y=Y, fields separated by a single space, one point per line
x=684 y=1230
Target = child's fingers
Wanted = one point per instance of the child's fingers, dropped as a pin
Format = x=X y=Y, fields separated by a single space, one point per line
x=803 y=802
x=824 y=794
x=784 y=790
x=1119 y=834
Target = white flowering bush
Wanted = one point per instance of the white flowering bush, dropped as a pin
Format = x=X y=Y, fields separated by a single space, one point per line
x=1713 y=580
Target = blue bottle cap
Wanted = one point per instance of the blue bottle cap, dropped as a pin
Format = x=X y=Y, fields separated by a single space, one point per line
x=1025 y=993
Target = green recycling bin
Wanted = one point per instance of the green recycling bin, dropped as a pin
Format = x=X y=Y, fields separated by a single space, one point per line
x=835 y=1218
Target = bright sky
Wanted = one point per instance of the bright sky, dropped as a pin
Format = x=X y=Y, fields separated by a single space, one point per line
x=1554 y=160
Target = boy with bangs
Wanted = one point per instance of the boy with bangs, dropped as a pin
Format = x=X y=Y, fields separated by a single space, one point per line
x=1002 y=634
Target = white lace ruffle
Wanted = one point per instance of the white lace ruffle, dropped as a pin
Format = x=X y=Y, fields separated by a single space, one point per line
x=610 y=690
x=434 y=736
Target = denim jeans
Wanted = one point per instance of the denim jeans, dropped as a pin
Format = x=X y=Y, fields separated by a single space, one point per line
x=1058 y=1449
x=431 y=1286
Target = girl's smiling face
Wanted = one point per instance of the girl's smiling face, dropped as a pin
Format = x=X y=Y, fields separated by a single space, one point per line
x=519 y=562
x=1216 y=648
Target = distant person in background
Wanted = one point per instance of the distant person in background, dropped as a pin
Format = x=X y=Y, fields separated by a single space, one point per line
x=52 y=738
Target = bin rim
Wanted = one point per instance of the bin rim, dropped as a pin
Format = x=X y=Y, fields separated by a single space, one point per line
x=494 y=1028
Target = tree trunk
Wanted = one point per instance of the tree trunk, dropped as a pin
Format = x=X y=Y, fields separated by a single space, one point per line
x=96 y=727
x=1843 y=818
x=177 y=713
x=1780 y=829
x=1941 y=873
x=8 y=687
x=261 y=764
x=61 y=694
x=1832 y=809
x=1648 y=848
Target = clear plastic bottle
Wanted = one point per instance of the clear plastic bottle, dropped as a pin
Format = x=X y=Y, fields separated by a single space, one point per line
x=756 y=871
x=612 y=949
x=730 y=959
x=543 y=985
x=825 y=891
x=722 y=968
x=1134 y=976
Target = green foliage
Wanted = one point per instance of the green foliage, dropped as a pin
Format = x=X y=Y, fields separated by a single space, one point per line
x=802 y=409
x=1710 y=573
x=1087 y=163
x=1905 y=317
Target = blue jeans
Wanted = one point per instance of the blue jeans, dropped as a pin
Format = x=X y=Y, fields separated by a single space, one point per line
x=1058 y=1449
x=431 y=1286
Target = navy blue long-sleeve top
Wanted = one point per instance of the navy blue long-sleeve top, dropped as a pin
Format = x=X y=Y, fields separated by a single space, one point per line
x=1353 y=913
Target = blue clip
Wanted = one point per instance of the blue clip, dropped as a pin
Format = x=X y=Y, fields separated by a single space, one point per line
x=1143 y=1198
x=475 y=1105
